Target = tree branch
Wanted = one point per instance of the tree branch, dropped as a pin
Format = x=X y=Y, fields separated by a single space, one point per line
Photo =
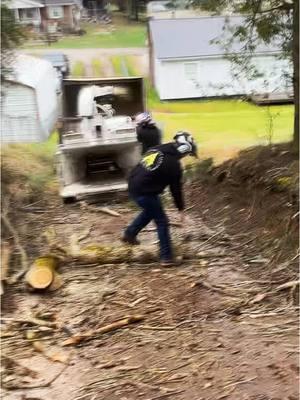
x=287 y=7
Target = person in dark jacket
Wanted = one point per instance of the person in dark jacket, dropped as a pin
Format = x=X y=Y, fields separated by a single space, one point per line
x=148 y=134
x=159 y=168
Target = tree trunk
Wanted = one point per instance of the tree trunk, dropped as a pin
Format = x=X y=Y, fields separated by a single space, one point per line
x=121 y=5
x=296 y=73
x=133 y=9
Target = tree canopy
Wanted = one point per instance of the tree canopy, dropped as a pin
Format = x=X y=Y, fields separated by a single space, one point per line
x=12 y=36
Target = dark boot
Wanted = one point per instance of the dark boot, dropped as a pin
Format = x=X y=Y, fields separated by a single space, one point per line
x=130 y=240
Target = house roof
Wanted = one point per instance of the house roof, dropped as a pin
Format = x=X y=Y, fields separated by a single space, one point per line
x=29 y=71
x=16 y=4
x=59 y=2
x=191 y=37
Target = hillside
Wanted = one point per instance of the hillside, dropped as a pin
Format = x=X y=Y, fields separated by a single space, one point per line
x=223 y=325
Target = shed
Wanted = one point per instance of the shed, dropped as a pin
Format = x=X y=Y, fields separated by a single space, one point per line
x=186 y=61
x=29 y=102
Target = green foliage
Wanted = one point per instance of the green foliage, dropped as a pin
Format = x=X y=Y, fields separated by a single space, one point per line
x=12 y=36
x=153 y=100
x=265 y=21
x=31 y=165
x=97 y=68
x=78 y=69
x=118 y=65
x=270 y=119
x=285 y=181
x=199 y=171
x=131 y=67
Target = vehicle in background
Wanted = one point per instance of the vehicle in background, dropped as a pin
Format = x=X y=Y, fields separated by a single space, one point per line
x=61 y=64
x=98 y=140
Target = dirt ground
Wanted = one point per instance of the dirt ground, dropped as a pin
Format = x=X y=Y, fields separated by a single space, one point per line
x=209 y=331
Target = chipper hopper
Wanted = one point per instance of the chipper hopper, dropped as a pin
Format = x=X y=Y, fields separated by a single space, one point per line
x=98 y=142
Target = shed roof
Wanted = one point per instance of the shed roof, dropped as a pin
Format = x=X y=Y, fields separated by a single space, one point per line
x=191 y=37
x=29 y=71
x=59 y=2
x=17 y=4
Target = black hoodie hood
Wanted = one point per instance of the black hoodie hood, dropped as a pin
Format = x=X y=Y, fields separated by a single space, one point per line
x=169 y=148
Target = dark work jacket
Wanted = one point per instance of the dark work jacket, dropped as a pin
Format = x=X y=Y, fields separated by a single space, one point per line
x=159 y=167
x=149 y=136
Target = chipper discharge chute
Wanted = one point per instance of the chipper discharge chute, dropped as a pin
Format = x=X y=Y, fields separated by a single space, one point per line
x=98 y=142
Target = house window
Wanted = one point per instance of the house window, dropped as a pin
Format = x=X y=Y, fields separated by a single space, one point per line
x=56 y=12
x=27 y=14
x=191 y=71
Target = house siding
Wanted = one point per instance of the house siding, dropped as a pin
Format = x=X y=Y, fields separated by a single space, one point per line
x=68 y=16
x=67 y=22
x=215 y=78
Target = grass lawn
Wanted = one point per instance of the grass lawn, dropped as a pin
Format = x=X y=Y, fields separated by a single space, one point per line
x=97 y=68
x=78 y=69
x=222 y=128
x=119 y=66
x=99 y=36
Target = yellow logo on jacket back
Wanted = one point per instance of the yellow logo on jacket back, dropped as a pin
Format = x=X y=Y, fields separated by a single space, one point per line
x=152 y=160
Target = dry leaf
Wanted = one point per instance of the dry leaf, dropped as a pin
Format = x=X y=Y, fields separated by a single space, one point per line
x=30 y=334
x=207 y=385
x=38 y=346
x=53 y=354
x=56 y=355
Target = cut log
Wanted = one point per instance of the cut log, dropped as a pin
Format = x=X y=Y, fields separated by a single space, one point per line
x=115 y=254
x=56 y=283
x=41 y=273
x=104 y=253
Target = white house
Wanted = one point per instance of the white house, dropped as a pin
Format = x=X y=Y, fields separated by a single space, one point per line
x=29 y=101
x=185 y=62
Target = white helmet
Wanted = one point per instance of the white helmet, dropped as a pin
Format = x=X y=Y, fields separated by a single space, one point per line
x=185 y=143
x=143 y=118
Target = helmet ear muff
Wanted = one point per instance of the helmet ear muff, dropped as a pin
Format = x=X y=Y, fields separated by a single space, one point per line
x=184 y=142
x=184 y=148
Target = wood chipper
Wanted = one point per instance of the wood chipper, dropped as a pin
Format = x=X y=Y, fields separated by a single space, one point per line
x=98 y=141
